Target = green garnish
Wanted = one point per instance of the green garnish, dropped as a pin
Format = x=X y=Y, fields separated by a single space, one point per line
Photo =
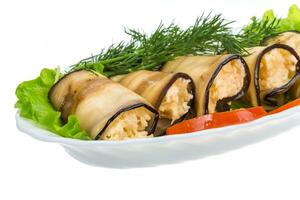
x=34 y=104
x=208 y=36
x=290 y=23
x=238 y=104
x=258 y=30
x=269 y=26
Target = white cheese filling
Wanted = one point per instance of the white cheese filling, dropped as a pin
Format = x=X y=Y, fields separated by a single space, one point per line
x=276 y=69
x=130 y=124
x=229 y=82
x=175 y=103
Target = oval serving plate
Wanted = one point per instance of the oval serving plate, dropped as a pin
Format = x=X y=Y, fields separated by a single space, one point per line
x=148 y=152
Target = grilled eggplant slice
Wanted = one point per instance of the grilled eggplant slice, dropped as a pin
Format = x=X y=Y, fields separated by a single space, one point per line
x=105 y=109
x=62 y=93
x=292 y=39
x=218 y=79
x=274 y=70
x=171 y=94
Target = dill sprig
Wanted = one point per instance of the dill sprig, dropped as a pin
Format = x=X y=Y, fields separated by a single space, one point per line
x=257 y=31
x=208 y=36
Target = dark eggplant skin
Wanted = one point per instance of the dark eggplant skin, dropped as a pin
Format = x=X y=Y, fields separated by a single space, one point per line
x=281 y=89
x=150 y=130
x=170 y=83
x=222 y=104
x=192 y=90
x=57 y=82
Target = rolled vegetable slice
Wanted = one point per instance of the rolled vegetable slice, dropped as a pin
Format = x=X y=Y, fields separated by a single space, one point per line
x=292 y=39
x=218 y=79
x=274 y=71
x=62 y=93
x=105 y=109
x=171 y=94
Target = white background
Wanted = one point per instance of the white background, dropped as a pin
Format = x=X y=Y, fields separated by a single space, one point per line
x=37 y=34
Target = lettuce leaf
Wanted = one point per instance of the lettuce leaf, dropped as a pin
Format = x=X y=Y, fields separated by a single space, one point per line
x=33 y=104
x=291 y=22
x=268 y=15
x=269 y=26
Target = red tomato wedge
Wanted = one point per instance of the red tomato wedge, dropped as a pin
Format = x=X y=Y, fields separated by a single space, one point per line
x=286 y=106
x=216 y=120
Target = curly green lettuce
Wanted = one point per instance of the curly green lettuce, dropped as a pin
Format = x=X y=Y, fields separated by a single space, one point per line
x=33 y=104
x=291 y=22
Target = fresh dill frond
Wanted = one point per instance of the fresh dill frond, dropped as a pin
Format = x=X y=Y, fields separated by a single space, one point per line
x=209 y=35
x=257 y=31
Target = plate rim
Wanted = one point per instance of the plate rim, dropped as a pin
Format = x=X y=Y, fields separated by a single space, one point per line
x=30 y=128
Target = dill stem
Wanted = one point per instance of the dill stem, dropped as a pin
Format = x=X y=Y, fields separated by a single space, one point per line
x=209 y=35
x=116 y=59
x=111 y=60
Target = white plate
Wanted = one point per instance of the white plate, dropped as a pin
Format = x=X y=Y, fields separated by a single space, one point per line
x=167 y=149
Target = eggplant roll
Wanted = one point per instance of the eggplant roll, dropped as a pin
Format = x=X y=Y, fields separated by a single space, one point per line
x=171 y=94
x=218 y=79
x=105 y=109
x=290 y=38
x=274 y=70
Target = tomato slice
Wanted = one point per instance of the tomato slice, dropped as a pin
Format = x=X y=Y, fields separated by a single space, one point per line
x=286 y=106
x=216 y=120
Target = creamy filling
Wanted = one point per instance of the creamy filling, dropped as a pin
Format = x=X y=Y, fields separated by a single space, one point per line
x=175 y=103
x=228 y=82
x=130 y=124
x=276 y=69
